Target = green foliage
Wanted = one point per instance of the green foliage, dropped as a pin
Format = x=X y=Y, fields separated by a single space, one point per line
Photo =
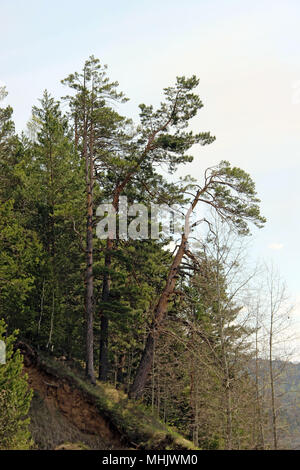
x=15 y=398
x=20 y=254
x=232 y=194
x=46 y=179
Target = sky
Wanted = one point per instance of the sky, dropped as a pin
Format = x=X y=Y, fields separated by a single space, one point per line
x=246 y=55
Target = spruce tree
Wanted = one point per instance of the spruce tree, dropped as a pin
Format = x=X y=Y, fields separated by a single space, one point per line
x=52 y=187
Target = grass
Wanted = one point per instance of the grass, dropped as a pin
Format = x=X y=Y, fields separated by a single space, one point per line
x=133 y=420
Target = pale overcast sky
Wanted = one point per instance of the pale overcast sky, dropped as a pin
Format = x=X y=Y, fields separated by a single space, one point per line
x=245 y=53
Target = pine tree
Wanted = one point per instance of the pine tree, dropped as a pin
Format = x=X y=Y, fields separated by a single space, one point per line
x=95 y=127
x=231 y=192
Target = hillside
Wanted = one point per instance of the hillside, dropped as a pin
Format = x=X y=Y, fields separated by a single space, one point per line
x=287 y=399
x=69 y=413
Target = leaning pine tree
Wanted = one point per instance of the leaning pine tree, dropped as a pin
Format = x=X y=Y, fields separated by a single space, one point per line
x=160 y=139
x=230 y=191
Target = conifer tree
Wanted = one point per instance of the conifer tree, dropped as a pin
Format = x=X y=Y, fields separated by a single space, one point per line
x=19 y=246
x=95 y=128
x=15 y=398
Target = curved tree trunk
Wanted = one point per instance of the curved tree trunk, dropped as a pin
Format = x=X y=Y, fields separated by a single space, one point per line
x=161 y=308
x=160 y=311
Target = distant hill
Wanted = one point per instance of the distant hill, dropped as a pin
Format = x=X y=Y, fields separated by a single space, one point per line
x=287 y=378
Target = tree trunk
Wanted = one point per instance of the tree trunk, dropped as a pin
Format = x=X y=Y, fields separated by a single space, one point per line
x=89 y=278
x=120 y=369
x=89 y=300
x=274 y=414
x=261 y=444
x=159 y=315
x=104 y=321
x=228 y=419
x=161 y=308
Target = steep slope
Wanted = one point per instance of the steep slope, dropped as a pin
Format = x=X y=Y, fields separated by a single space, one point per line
x=67 y=412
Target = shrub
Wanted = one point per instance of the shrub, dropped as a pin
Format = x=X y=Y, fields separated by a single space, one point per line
x=15 y=398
